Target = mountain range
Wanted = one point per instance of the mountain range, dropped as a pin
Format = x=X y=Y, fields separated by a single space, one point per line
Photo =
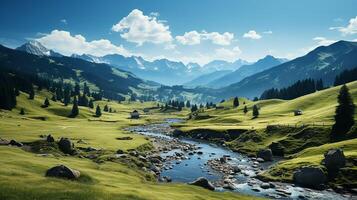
x=324 y=62
x=36 y=48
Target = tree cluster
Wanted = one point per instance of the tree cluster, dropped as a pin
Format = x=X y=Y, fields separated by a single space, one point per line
x=298 y=89
x=346 y=76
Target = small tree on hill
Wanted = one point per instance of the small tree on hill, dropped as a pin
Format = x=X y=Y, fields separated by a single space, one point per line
x=245 y=110
x=75 y=110
x=31 y=92
x=46 y=103
x=235 y=102
x=106 y=108
x=194 y=108
x=98 y=111
x=53 y=98
x=90 y=103
x=344 y=115
x=255 y=111
x=22 y=111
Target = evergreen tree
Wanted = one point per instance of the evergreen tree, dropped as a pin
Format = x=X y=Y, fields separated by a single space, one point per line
x=22 y=111
x=110 y=110
x=245 y=110
x=66 y=95
x=106 y=109
x=83 y=100
x=46 y=103
x=86 y=90
x=17 y=91
x=31 y=92
x=98 y=112
x=77 y=89
x=188 y=104
x=75 y=110
x=255 y=99
x=90 y=103
x=235 y=102
x=344 y=115
x=194 y=108
x=255 y=111
x=7 y=93
x=53 y=98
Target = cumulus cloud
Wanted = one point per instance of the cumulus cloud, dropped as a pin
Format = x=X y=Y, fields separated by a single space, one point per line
x=189 y=38
x=140 y=28
x=228 y=54
x=194 y=37
x=66 y=44
x=252 y=34
x=350 y=29
x=322 y=41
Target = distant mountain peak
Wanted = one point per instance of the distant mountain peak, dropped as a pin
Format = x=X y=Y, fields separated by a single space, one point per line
x=36 y=48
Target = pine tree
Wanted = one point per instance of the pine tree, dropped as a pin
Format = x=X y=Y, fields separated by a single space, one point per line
x=46 y=103
x=53 y=98
x=110 y=110
x=86 y=90
x=98 y=112
x=66 y=95
x=245 y=110
x=22 y=111
x=235 y=102
x=83 y=100
x=90 y=103
x=77 y=89
x=106 y=109
x=344 y=115
x=31 y=92
x=188 y=104
x=194 y=108
x=255 y=111
x=75 y=110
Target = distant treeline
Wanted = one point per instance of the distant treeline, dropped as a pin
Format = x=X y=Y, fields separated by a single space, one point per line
x=346 y=76
x=298 y=89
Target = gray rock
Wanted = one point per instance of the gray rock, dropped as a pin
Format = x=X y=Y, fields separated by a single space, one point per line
x=277 y=149
x=260 y=159
x=312 y=177
x=236 y=169
x=119 y=151
x=66 y=146
x=265 y=154
x=203 y=182
x=334 y=160
x=265 y=185
x=16 y=143
x=4 y=142
x=50 y=138
x=62 y=171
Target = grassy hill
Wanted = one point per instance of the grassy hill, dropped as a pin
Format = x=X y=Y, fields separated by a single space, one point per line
x=22 y=172
x=305 y=138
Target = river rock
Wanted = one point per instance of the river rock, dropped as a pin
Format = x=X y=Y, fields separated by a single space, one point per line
x=277 y=149
x=62 y=171
x=66 y=146
x=236 y=169
x=265 y=185
x=15 y=143
x=50 y=138
x=334 y=160
x=203 y=182
x=312 y=177
x=265 y=154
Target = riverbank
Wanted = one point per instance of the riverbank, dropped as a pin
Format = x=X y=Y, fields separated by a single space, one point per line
x=185 y=159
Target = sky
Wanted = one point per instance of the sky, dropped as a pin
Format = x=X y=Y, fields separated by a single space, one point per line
x=181 y=30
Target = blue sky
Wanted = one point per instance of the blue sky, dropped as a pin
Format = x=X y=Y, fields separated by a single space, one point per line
x=226 y=30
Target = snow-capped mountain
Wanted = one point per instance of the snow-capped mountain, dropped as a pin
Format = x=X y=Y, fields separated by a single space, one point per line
x=36 y=48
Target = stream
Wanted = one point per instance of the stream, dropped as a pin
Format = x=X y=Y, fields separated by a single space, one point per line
x=191 y=165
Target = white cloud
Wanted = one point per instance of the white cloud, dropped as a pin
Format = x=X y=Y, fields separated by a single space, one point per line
x=268 y=32
x=64 y=21
x=228 y=54
x=350 y=29
x=139 y=28
x=194 y=37
x=66 y=44
x=189 y=38
x=252 y=35
x=322 y=41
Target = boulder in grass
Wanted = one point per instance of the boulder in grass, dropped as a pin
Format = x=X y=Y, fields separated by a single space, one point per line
x=16 y=143
x=66 y=146
x=265 y=154
x=50 y=138
x=203 y=182
x=312 y=177
x=62 y=171
x=334 y=160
